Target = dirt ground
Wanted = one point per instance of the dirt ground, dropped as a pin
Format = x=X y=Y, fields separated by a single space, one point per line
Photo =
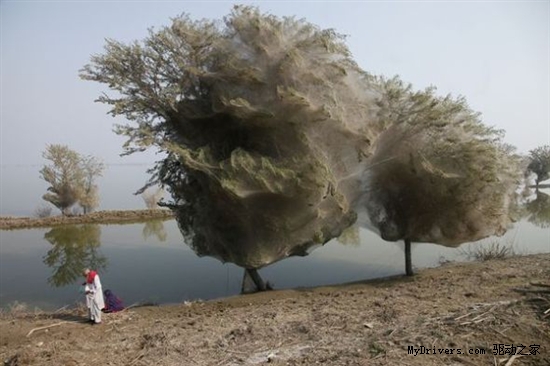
x=99 y=217
x=466 y=306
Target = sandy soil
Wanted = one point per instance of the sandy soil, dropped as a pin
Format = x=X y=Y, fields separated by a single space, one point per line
x=471 y=306
x=99 y=217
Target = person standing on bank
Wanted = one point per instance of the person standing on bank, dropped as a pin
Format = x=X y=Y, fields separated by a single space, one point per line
x=94 y=295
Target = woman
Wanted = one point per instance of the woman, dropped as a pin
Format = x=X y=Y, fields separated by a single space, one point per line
x=94 y=295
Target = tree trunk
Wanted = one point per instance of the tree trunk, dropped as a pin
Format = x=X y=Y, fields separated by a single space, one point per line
x=408 y=259
x=258 y=281
x=259 y=284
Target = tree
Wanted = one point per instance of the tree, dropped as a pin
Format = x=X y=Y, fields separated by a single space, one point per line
x=276 y=141
x=439 y=174
x=152 y=198
x=71 y=178
x=92 y=168
x=64 y=175
x=540 y=163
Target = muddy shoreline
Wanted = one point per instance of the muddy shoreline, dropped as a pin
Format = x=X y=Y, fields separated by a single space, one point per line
x=99 y=217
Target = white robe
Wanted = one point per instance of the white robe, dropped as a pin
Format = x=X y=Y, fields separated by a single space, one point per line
x=94 y=299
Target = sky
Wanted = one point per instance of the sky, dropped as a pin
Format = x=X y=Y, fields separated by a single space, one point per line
x=496 y=54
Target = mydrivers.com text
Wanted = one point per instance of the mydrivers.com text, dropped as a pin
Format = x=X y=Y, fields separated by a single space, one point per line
x=498 y=349
x=415 y=351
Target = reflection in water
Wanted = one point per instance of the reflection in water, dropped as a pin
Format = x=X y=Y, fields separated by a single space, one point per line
x=156 y=228
x=75 y=247
x=538 y=210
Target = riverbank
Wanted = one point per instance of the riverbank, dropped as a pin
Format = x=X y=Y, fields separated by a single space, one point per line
x=466 y=306
x=99 y=217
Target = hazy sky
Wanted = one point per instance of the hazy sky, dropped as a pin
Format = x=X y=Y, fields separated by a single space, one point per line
x=496 y=54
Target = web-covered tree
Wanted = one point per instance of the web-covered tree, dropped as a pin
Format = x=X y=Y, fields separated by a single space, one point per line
x=152 y=197
x=71 y=178
x=439 y=174
x=276 y=141
x=540 y=163
x=64 y=175
x=92 y=168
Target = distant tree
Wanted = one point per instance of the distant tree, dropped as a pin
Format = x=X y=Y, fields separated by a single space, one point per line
x=92 y=168
x=64 y=175
x=540 y=163
x=43 y=211
x=151 y=198
x=71 y=177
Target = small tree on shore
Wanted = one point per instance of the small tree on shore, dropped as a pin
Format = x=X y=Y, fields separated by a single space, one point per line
x=151 y=198
x=540 y=163
x=71 y=178
x=92 y=168
x=64 y=176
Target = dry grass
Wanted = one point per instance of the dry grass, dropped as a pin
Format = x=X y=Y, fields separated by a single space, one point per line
x=99 y=217
x=495 y=250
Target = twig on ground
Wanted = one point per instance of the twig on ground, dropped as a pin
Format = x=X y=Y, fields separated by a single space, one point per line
x=531 y=290
x=465 y=315
x=141 y=354
x=46 y=327
x=393 y=331
x=539 y=284
x=61 y=309
x=480 y=320
x=502 y=334
x=512 y=359
x=134 y=305
x=237 y=352
x=481 y=315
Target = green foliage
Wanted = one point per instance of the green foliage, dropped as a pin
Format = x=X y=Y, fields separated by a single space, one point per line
x=540 y=163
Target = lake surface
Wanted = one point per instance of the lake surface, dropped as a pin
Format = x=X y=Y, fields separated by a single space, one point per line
x=149 y=262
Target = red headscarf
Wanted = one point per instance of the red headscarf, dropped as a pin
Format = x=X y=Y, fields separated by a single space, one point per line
x=91 y=276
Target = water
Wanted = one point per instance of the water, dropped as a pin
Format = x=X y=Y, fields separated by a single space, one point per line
x=149 y=262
